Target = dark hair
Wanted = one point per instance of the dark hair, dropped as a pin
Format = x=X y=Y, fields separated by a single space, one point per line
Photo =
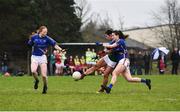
x=120 y=33
x=126 y=36
x=108 y=32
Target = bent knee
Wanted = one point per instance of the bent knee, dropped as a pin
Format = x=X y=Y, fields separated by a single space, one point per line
x=44 y=76
x=33 y=71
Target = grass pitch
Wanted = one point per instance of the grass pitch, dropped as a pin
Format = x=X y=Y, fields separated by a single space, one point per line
x=17 y=93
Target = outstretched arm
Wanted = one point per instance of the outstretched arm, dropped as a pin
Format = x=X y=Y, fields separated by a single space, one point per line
x=59 y=48
x=110 y=46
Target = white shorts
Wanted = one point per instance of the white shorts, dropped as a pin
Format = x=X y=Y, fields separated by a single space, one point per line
x=109 y=62
x=125 y=62
x=59 y=65
x=39 y=59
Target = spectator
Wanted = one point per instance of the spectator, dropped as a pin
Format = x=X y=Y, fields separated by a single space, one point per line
x=88 y=57
x=175 y=57
x=52 y=62
x=67 y=70
x=83 y=63
x=93 y=57
x=63 y=58
x=4 y=63
x=132 y=59
x=161 y=63
x=59 y=65
x=77 y=64
x=147 y=59
x=139 y=64
x=70 y=64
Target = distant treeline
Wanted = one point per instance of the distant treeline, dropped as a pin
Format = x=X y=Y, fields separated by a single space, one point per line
x=19 y=18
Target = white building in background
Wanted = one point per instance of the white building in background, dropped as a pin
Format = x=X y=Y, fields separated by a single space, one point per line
x=146 y=36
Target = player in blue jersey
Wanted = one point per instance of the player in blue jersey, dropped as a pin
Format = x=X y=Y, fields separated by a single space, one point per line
x=40 y=42
x=107 y=61
x=121 y=55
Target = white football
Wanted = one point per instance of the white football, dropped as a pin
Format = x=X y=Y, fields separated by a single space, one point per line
x=76 y=75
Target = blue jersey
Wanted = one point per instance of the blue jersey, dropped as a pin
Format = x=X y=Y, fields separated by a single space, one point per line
x=111 y=42
x=120 y=51
x=40 y=44
x=111 y=55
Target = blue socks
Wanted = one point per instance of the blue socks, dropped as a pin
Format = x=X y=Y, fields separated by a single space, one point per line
x=110 y=86
x=143 y=80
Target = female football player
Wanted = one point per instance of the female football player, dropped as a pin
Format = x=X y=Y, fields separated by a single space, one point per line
x=107 y=61
x=120 y=52
x=40 y=43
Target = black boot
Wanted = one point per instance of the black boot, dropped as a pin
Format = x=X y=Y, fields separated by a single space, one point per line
x=101 y=90
x=107 y=89
x=36 y=82
x=148 y=83
x=44 y=89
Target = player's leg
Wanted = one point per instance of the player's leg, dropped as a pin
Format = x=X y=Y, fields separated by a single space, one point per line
x=34 y=66
x=106 y=73
x=98 y=65
x=120 y=68
x=127 y=75
x=123 y=64
x=43 y=66
x=44 y=76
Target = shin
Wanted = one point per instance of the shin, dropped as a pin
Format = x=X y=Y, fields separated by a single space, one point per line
x=34 y=67
x=44 y=72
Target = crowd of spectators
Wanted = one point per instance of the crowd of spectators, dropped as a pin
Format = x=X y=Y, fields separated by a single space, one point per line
x=66 y=65
x=140 y=62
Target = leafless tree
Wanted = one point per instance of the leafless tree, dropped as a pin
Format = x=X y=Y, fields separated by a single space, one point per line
x=105 y=23
x=121 y=22
x=83 y=8
x=94 y=30
x=169 y=24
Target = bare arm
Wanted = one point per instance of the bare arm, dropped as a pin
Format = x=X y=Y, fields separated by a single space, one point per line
x=59 y=48
x=110 y=46
x=108 y=51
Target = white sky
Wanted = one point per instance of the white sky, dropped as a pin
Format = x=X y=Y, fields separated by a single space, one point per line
x=135 y=13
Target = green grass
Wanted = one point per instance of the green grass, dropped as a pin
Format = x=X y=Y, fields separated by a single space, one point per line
x=16 y=93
